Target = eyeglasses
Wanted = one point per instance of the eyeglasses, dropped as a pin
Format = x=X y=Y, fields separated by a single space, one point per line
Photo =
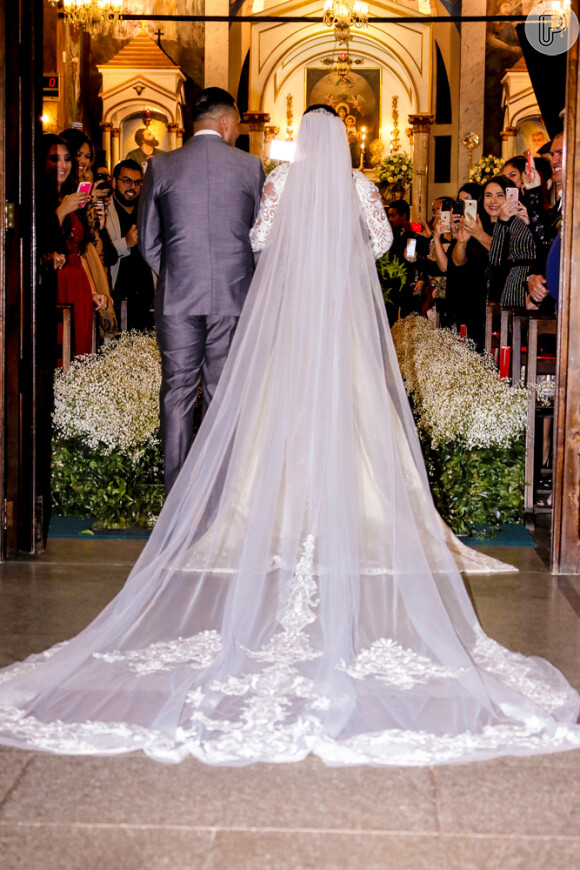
x=129 y=182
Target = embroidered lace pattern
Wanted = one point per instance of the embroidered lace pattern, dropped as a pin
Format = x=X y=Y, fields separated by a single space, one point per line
x=198 y=651
x=17 y=670
x=378 y=226
x=278 y=716
x=515 y=671
x=391 y=663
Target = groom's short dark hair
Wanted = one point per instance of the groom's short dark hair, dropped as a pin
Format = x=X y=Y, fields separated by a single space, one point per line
x=212 y=101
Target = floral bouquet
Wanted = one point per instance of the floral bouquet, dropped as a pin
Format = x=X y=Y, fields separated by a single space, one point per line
x=397 y=168
x=106 y=457
x=471 y=425
x=486 y=168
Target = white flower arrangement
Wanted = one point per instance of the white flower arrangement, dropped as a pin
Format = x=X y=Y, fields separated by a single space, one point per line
x=397 y=168
x=110 y=400
x=456 y=392
x=485 y=168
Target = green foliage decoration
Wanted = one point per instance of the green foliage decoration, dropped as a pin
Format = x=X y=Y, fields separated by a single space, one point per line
x=392 y=275
x=111 y=487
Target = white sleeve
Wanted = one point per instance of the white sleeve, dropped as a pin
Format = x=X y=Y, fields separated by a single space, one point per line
x=270 y=197
x=375 y=218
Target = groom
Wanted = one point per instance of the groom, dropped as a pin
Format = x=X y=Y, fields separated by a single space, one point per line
x=197 y=207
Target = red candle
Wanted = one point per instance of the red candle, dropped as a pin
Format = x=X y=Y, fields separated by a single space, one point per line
x=463 y=330
x=504 y=361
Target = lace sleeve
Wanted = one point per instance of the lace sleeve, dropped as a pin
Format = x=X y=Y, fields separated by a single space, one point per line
x=378 y=226
x=270 y=197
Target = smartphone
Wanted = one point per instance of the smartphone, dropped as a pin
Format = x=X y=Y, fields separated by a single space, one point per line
x=470 y=208
x=85 y=187
x=416 y=226
x=512 y=194
x=445 y=220
x=410 y=250
x=457 y=207
x=102 y=184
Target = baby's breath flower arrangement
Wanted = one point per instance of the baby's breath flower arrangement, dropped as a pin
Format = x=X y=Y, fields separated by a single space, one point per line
x=470 y=422
x=107 y=459
x=397 y=168
x=485 y=168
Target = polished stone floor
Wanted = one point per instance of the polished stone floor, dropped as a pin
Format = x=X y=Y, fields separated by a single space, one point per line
x=130 y=813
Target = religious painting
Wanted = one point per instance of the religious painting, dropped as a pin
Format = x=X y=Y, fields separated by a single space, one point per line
x=133 y=129
x=532 y=134
x=357 y=99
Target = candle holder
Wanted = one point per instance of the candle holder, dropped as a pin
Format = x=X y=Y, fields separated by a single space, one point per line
x=470 y=141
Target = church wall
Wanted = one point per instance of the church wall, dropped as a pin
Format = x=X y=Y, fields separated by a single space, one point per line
x=446 y=38
x=281 y=54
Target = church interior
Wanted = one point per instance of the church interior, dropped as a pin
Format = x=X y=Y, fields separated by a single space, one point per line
x=446 y=84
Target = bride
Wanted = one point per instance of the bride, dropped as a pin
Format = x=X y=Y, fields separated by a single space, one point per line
x=298 y=594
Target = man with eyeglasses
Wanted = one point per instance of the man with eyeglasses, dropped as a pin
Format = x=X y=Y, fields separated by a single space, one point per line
x=131 y=276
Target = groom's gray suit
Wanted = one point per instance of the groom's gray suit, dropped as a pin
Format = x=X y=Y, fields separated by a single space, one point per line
x=195 y=213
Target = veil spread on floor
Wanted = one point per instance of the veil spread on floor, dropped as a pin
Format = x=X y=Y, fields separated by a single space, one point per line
x=297 y=594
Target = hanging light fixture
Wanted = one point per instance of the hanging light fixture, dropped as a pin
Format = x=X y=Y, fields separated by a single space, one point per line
x=344 y=14
x=95 y=16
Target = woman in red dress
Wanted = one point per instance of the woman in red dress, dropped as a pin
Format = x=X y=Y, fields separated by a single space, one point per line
x=73 y=285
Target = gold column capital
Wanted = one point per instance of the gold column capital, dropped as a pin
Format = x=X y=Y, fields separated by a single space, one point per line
x=421 y=123
x=256 y=120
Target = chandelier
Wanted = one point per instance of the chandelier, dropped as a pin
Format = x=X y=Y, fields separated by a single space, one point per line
x=96 y=16
x=342 y=64
x=344 y=14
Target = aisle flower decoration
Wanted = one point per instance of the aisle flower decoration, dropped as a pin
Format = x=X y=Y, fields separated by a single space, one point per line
x=107 y=459
x=485 y=168
x=471 y=425
x=397 y=168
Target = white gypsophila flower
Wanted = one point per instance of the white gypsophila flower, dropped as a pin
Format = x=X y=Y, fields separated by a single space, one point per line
x=110 y=400
x=456 y=391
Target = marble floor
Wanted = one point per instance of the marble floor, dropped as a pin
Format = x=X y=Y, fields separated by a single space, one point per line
x=130 y=813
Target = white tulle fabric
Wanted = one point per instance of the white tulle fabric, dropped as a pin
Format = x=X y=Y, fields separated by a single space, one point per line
x=297 y=595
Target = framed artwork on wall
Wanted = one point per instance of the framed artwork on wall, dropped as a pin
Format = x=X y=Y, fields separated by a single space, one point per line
x=157 y=130
x=532 y=134
x=356 y=98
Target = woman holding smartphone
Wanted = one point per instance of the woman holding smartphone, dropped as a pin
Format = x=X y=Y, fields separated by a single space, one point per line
x=501 y=227
x=99 y=253
x=73 y=285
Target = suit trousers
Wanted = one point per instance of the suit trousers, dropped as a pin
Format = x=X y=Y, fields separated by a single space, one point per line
x=192 y=348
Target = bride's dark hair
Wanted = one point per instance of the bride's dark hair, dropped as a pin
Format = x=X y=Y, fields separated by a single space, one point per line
x=321 y=106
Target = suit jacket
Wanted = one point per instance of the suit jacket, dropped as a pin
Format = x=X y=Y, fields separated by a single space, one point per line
x=196 y=209
x=114 y=229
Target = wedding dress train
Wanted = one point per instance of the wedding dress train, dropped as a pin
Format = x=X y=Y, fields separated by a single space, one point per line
x=297 y=594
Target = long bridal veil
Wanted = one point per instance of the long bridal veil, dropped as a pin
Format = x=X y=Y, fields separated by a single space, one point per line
x=297 y=594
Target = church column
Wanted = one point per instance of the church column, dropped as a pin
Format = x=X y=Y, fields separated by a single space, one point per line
x=115 y=146
x=509 y=143
x=172 y=136
x=106 y=127
x=471 y=95
x=217 y=46
x=257 y=122
x=421 y=126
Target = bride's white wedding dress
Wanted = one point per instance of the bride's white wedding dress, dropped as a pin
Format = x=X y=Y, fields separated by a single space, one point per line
x=297 y=594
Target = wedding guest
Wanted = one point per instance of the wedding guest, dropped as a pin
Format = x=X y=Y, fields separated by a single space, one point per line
x=132 y=278
x=399 y=215
x=470 y=190
x=512 y=249
x=73 y=284
x=514 y=169
x=98 y=254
